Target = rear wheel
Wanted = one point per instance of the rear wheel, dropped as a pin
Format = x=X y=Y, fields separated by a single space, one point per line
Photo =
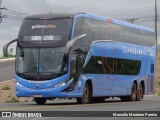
x=140 y=93
x=86 y=98
x=133 y=93
x=40 y=101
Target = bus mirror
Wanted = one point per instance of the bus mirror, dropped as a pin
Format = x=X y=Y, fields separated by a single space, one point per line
x=71 y=42
x=99 y=62
x=5 y=47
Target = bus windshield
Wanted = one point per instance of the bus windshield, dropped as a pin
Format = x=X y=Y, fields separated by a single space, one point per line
x=45 y=30
x=41 y=63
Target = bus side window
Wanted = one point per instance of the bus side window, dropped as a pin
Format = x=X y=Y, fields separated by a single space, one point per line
x=73 y=64
x=79 y=64
x=152 y=68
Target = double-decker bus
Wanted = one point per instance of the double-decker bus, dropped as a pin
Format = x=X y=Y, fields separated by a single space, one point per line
x=83 y=56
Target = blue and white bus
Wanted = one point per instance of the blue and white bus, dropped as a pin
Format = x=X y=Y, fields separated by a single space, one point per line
x=83 y=56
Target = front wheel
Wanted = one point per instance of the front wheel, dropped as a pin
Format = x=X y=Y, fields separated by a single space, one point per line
x=86 y=96
x=40 y=101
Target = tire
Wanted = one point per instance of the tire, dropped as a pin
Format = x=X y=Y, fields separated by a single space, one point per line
x=40 y=101
x=86 y=98
x=133 y=95
x=139 y=93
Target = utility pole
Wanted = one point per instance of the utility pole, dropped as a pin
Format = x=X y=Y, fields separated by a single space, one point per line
x=156 y=17
x=1 y=8
x=132 y=20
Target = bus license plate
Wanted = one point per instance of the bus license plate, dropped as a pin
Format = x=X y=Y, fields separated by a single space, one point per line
x=37 y=95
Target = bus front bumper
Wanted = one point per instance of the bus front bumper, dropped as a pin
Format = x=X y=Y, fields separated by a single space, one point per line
x=46 y=93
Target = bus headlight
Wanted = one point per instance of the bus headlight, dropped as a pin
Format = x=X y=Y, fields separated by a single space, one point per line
x=62 y=83
x=18 y=84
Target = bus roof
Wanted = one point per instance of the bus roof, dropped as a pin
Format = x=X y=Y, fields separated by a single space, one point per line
x=117 y=22
x=93 y=16
x=50 y=16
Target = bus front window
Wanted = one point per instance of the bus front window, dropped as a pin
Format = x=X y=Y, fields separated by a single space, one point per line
x=42 y=63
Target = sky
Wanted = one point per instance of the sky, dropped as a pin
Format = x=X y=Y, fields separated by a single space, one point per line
x=142 y=10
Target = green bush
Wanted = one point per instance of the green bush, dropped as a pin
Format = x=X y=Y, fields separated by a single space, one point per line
x=10 y=54
x=6 y=87
x=12 y=99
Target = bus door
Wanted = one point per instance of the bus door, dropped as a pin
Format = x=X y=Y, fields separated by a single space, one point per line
x=151 y=77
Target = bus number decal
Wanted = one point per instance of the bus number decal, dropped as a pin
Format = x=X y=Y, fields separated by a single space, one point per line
x=36 y=37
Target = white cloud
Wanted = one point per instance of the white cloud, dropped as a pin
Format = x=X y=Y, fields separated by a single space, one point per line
x=121 y=9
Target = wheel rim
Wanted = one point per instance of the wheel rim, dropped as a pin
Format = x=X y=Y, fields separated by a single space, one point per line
x=140 y=92
x=85 y=95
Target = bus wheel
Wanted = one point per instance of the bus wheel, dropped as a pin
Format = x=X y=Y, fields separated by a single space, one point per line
x=40 y=101
x=140 y=93
x=86 y=96
x=133 y=92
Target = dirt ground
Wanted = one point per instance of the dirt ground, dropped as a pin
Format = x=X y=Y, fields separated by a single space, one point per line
x=7 y=93
x=7 y=89
x=157 y=90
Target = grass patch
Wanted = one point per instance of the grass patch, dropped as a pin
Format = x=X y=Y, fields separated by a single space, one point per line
x=10 y=54
x=12 y=99
x=6 y=87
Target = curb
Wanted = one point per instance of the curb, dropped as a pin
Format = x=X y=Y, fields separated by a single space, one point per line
x=7 y=81
x=7 y=60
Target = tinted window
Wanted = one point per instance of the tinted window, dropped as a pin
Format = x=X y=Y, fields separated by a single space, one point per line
x=102 y=30
x=44 y=63
x=152 y=68
x=137 y=37
x=117 y=33
x=45 y=31
x=104 y=65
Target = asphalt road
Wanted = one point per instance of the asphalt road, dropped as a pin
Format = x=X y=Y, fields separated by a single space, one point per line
x=149 y=103
x=7 y=71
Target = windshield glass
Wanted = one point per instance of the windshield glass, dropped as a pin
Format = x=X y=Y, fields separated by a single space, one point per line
x=43 y=31
x=41 y=63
